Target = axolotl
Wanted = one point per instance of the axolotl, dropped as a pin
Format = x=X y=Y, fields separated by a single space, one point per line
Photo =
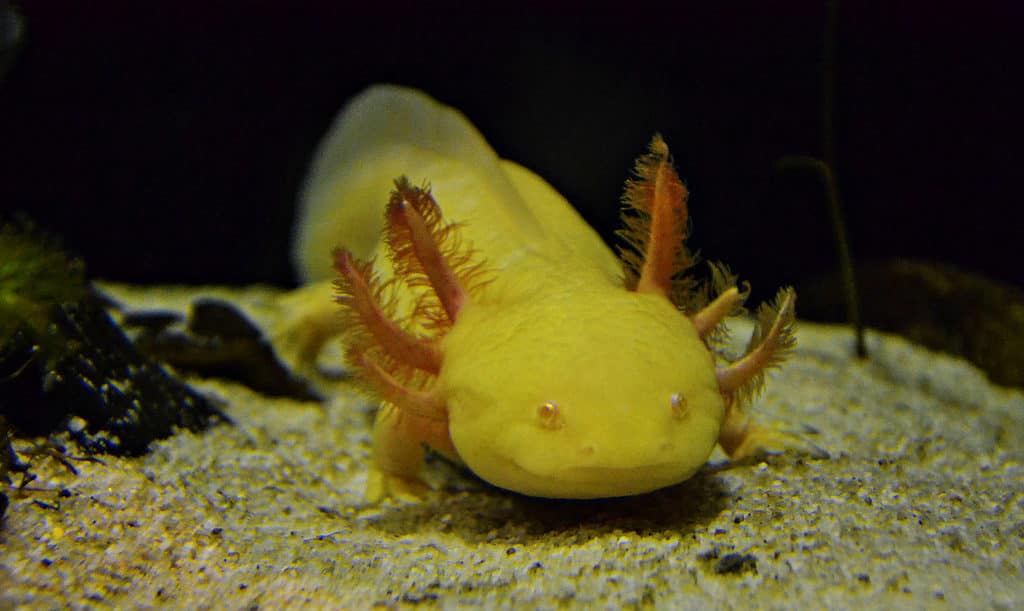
x=495 y=326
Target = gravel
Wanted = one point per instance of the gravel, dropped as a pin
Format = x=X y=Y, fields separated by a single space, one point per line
x=921 y=504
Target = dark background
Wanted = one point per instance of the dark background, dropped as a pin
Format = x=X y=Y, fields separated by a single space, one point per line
x=166 y=141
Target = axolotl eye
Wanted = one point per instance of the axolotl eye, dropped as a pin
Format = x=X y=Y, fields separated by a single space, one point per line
x=550 y=416
x=680 y=408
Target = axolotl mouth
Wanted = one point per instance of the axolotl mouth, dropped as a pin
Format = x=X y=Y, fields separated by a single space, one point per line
x=589 y=482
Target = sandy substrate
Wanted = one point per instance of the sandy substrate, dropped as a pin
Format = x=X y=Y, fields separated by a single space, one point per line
x=920 y=505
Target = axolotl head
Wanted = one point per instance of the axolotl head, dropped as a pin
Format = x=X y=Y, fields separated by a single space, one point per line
x=601 y=394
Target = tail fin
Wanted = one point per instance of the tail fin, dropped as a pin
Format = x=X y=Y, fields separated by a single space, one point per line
x=385 y=132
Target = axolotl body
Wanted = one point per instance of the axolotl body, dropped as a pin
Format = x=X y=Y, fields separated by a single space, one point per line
x=496 y=327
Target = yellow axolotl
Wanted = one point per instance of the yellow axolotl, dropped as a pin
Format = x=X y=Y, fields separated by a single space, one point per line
x=499 y=330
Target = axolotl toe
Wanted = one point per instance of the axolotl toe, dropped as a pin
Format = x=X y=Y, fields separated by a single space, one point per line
x=496 y=328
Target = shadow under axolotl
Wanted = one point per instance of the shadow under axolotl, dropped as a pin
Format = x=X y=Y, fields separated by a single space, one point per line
x=488 y=514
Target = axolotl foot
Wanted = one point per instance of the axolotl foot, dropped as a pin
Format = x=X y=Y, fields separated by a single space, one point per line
x=747 y=439
x=407 y=489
